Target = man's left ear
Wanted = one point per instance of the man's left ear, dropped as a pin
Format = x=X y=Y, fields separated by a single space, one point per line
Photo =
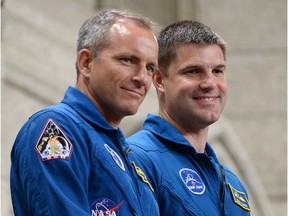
x=157 y=79
x=84 y=61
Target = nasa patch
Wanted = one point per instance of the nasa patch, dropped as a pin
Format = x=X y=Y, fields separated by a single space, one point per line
x=105 y=207
x=115 y=156
x=192 y=181
x=53 y=143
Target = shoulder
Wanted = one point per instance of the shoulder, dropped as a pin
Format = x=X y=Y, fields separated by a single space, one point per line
x=147 y=150
x=46 y=125
x=233 y=179
x=143 y=140
x=50 y=117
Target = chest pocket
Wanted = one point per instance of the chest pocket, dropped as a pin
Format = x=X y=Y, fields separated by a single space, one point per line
x=136 y=192
x=179 y=200
x=114 y=170
x=110 y=179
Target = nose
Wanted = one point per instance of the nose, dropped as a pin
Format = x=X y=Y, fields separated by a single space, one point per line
x=142 y=76
x=207 y=81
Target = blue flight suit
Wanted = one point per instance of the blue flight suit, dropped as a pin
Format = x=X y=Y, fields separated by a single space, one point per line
x=186 y=182
x=67 y=160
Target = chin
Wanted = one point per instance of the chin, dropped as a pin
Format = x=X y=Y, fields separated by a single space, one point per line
x=210 y=119
x=213 y=120
x=130 y=112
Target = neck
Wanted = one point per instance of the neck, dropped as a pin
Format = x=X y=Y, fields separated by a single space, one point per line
x=197 y=139
x=111 y=117
x=196 y=136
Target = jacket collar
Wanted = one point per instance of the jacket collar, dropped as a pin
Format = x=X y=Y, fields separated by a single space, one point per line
x=164 y=129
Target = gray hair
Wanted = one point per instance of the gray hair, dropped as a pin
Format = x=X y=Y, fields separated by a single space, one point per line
x=94 y=33
x=181 y=33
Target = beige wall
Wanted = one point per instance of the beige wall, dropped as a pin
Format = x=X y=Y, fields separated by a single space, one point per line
x=38 y=55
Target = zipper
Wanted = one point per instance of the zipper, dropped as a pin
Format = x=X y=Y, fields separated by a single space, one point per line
x=119 y=142
x=222 y=183
x=222 y=189
x=121 y=188
x=132 y=174
x=130 y=167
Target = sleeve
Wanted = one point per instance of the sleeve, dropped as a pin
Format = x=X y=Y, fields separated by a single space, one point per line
x=50 y=168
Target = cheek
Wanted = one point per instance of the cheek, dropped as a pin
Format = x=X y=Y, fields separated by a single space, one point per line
x=148 y=85
x=223 y=88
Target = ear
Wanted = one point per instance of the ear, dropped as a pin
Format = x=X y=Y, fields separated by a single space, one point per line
x=157 y=79
x=84 y=60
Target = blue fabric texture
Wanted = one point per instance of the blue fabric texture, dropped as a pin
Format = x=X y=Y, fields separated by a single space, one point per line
x=186 y=182
x=67 y=160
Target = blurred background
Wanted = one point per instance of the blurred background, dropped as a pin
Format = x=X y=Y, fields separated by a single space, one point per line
x=38 y=63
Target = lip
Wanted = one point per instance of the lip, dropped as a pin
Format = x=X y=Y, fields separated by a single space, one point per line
x=206 y=98
x=134 y=91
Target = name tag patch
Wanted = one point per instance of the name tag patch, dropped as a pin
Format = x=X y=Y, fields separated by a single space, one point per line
x=192 y=181
x=53 y=143
x=115 y=156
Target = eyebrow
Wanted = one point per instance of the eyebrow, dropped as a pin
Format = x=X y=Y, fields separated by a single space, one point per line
x=136 y=58
x=199 y=66
x=221 y=66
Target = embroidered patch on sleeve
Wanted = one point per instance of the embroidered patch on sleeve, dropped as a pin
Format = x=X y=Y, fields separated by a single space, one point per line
x=240 y=198
x=53 y=143
x=142 y=175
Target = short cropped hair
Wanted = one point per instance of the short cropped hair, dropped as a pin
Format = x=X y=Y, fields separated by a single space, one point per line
x=94 y=33
x=181 y=33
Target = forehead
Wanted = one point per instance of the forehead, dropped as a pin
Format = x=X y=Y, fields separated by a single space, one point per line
x=121 y=26
x=126 y=36
x=199 y=54
x=124 y=27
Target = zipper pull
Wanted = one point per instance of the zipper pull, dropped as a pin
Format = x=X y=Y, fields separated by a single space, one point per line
x=126 y=151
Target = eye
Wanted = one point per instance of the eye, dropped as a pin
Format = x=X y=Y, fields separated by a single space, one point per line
x=150 y=69
x=192 y=71
x=218 y=72
x=126 y=60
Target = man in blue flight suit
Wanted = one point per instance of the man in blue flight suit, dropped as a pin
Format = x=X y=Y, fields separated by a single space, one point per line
x=72 y=158
x=172 y=147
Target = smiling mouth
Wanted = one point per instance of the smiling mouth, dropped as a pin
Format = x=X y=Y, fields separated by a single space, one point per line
x=206 y=98
x=134 y=92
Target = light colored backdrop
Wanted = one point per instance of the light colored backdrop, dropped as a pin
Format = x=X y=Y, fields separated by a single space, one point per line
x=38 y=55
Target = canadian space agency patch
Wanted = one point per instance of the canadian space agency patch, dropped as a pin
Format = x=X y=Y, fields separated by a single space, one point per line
x=192 y=181
x=105 y=207
x=53 y=143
